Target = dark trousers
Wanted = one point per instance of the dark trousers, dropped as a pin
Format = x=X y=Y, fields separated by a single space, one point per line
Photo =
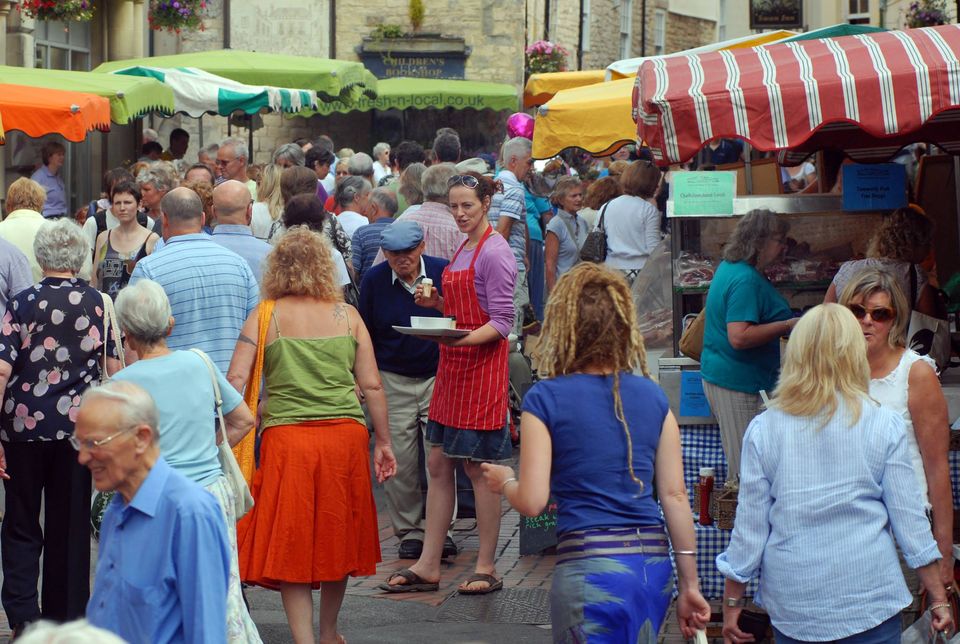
x=48 y=468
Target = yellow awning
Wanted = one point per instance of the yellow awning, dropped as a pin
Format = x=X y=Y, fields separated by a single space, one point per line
x=597 y=118
x=540 y=88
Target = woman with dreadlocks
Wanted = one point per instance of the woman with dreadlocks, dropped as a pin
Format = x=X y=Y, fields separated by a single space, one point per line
x=596 y=435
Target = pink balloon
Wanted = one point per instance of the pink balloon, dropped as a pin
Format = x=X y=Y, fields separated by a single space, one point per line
x=520 y=124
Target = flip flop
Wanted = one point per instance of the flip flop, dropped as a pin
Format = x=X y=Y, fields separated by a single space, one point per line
x=415 y=583
x=493 y=584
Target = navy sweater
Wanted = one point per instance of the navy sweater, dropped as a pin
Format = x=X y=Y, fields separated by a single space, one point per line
x=384 y=303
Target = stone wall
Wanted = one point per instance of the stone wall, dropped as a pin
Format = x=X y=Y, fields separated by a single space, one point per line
x=687 y=32
x=604 y=34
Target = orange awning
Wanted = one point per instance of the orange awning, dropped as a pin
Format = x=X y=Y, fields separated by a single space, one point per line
x=37 y=112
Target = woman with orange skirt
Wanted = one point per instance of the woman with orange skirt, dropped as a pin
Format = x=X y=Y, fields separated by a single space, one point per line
x=314 y=522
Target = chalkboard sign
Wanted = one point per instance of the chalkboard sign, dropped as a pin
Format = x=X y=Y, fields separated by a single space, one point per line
x=540 y=532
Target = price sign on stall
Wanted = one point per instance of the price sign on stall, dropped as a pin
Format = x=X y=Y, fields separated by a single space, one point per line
x=702 y=194
x=874 y=186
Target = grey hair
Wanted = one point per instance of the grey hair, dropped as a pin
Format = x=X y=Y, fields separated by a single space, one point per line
x=239 y=146
x=76 y=632
x=385 y=199
x=181 y=204
x=752 y=232
x=60 y=246
x=515 y=147
x=161 y=174
x=291 y=152
x=435 y=181
x=350 y=188
x=143 y=311
x=360 y=165
x=210 y=150
x=135 y=404
x=380 y=148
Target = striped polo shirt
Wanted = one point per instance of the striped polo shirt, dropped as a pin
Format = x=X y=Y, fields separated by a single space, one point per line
x=211 y=289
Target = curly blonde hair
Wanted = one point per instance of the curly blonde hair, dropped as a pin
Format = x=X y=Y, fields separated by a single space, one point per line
x=902 y=234
x=301 y=264
x=590 y=322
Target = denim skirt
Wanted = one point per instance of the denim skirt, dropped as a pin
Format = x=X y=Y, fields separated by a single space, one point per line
x=473 y=444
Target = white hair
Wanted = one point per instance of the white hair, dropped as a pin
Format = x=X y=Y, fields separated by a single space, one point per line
x=77 y=632
x=162 y=175
x=239 y=147
x=210 y=150
x=143 y=311
x=380 y=148
x=134 y=402
x=515 y=148
x=435 y=181
x=60 y=246
x=291 y=152
x=360 y=165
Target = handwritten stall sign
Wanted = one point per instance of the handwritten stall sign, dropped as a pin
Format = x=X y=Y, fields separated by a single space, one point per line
x=703 y=194
x=875 y=186
x=540 y=532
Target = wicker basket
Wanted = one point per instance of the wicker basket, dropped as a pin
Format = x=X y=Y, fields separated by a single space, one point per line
x=725 y=508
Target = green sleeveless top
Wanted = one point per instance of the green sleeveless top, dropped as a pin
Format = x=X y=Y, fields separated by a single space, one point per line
x=310 y=379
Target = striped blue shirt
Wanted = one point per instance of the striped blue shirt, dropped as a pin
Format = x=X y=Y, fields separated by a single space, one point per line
x=211 y=289
x=366 y=244
x=817 y=514
x=511 y=203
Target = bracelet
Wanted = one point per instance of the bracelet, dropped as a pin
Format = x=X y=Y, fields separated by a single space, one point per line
x=504 y=484
x=939 y=605
x=735 y=603
x=692 y=553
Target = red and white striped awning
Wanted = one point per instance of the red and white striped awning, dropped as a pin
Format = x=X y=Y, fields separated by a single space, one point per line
x=867 y=95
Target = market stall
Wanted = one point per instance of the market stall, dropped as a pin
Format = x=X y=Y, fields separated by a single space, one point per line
x=540 y=88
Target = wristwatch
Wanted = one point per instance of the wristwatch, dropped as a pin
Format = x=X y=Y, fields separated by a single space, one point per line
x=735 y=603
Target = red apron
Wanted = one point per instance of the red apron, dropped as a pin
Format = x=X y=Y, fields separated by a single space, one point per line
x=471 y=386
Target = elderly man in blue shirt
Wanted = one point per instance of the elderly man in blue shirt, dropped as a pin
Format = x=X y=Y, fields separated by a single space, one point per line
x=163 y=564
x=233 y=206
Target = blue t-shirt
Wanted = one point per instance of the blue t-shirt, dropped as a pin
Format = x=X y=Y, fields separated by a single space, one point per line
x=739 y=293
x=180 y=384
x=590 y=477
x=535 y=206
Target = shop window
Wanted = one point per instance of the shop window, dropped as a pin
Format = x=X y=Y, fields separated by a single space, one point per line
x=626 y=27
x=659 y=32
x=858 y=12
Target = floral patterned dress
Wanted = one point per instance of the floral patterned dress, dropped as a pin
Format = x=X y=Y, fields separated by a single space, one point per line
x=52 y=336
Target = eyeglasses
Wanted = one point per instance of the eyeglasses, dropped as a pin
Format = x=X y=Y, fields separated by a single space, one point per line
x=463 y=180
x=879 y=314
x=221 y=162
x=91 y=445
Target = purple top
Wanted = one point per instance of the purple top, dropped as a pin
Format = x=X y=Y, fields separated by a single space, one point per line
x=321 y=193
x=496 y=274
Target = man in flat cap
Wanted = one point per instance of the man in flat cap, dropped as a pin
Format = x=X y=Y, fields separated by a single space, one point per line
x=408 y=366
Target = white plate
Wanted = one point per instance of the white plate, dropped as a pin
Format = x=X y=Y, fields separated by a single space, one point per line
x=433 y=333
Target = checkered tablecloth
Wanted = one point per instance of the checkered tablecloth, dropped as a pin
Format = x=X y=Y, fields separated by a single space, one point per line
x=702 y=448
x=954 y=460
x=711 y=541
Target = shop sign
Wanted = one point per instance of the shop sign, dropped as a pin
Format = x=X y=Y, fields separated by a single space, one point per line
x=776 y=14
x=702 y=194
x=874 y=186
x=415 y=65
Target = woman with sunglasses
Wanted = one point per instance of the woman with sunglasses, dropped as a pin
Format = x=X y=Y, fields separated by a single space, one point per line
x=468 y=411
x=745 y=318
x=906 y=383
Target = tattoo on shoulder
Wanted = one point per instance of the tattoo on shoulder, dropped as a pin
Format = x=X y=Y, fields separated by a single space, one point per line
x=340 y=312
x=247 y=340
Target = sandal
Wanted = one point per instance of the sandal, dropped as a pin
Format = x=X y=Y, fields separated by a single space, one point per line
x=414 y=583
x=493 y=584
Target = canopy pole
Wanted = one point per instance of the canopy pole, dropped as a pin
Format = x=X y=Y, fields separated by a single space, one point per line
x=250 y=136
x=200 y=133
x=748 y=167
x=956 y=185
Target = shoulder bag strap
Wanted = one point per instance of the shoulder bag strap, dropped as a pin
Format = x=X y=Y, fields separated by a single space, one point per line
x=111 y=329
x=573 y=234
x=216 y=393
x=603 y=211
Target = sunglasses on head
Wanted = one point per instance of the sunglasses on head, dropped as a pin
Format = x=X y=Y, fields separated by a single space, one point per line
x=463 y=180
x=879 y=314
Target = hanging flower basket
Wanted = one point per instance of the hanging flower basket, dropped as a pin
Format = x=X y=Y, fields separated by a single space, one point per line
x=926 y=13
x=66 y=10
x=544 y=56
x=175 y=15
